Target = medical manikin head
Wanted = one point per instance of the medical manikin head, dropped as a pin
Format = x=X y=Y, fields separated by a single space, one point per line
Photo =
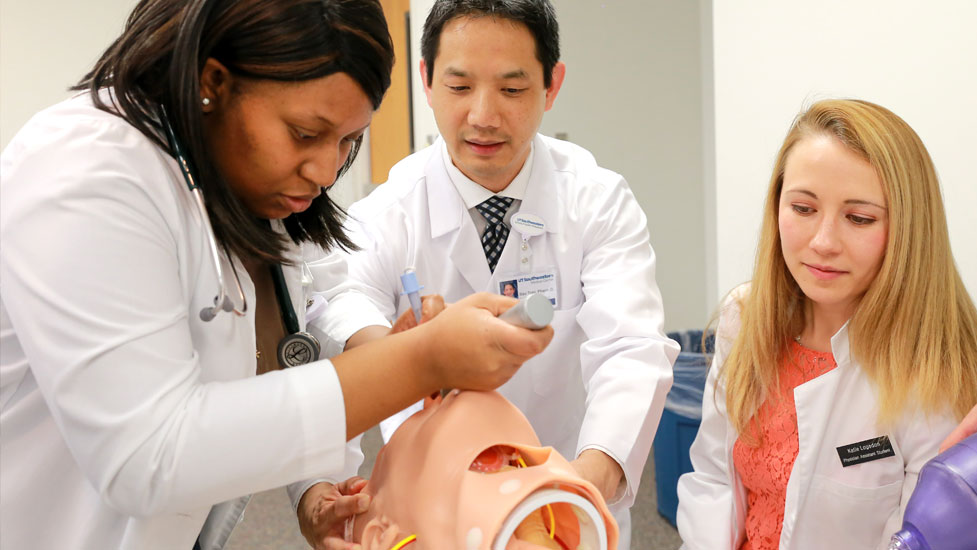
x=468 y=473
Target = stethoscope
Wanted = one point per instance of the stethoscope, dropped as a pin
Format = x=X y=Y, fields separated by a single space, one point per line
x=297 y=347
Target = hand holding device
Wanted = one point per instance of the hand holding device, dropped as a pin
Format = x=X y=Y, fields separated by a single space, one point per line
x=470 y=349
x=533 y=312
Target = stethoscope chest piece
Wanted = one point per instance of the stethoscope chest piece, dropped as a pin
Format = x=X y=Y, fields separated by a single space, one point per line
x=297 y=348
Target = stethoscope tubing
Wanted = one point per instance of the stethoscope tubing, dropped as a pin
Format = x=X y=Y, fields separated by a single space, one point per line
x=222 y=302
x=289 y=319
x=297 y=347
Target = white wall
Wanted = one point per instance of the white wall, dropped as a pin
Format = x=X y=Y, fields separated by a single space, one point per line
x=47 y=46
x=773 y=58
x=632 y=96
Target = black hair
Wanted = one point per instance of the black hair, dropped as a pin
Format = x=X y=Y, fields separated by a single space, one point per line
x=157 y=62
x=537 y=15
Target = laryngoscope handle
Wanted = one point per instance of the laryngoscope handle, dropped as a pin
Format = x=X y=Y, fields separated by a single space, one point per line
x=532 y=312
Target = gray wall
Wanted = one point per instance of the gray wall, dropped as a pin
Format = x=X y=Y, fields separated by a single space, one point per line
x=633 y=97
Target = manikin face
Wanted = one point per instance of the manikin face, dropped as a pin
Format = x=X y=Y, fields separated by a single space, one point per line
x=833 y=223
x=279 y=145
x=468 y=473
x=488 y=96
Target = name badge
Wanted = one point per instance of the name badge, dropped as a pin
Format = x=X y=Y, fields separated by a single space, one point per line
x=865 y=451
x=527 y=225
x=520 y=285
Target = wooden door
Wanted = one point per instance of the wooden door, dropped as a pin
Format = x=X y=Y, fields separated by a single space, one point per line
x=390 y=132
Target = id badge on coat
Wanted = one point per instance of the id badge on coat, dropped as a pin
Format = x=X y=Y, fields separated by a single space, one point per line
x=527 y=281
x=517 y=284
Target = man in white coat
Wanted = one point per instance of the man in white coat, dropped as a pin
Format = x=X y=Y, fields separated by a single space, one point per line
x=492 y=204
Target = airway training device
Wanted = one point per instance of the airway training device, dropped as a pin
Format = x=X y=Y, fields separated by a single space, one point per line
x=533 y=312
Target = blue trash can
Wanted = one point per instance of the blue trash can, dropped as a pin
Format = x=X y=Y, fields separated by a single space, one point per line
x=680 y=419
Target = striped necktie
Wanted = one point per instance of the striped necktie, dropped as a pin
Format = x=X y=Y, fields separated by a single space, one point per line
x=496 y=232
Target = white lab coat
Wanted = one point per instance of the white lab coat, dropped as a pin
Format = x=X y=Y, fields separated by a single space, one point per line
x=857 y=507
x=124 y=416
x=602 y=382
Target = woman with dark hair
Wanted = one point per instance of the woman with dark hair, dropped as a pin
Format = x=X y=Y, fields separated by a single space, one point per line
x=194 y=163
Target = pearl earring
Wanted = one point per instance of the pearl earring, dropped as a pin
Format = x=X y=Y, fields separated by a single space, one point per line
x=205 y=101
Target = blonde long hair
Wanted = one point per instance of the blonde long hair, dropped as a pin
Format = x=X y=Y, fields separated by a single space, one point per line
x=914 y=332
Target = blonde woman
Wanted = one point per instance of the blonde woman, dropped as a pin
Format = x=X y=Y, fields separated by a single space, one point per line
x=847 y=360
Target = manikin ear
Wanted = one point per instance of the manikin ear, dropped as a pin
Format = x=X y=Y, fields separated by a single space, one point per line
x=215 y=85
x=380 y=533
x=427 y=86
x=559 y=73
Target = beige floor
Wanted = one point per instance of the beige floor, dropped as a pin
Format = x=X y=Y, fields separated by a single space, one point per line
x=270 y=525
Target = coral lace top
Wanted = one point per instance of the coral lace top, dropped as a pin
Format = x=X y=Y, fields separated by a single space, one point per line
x=764 y=470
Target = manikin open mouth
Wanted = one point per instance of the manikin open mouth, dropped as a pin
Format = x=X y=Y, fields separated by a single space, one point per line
x=468 y=473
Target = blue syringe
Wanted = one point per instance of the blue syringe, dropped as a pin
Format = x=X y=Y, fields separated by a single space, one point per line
x=413 y=291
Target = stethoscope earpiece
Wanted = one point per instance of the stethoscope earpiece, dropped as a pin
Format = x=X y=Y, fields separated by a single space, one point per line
x=207 y=314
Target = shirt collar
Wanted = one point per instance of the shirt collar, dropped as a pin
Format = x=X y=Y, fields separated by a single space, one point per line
x=474 y=194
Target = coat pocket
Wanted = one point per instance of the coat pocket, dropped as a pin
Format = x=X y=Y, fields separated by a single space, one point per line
x=846 y=516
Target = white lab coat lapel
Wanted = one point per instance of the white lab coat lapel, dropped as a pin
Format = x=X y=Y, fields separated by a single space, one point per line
x=542 y=199
x=451 y=221
x=813 y=403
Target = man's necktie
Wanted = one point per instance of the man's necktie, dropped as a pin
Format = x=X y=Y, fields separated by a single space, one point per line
x=496 y=232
